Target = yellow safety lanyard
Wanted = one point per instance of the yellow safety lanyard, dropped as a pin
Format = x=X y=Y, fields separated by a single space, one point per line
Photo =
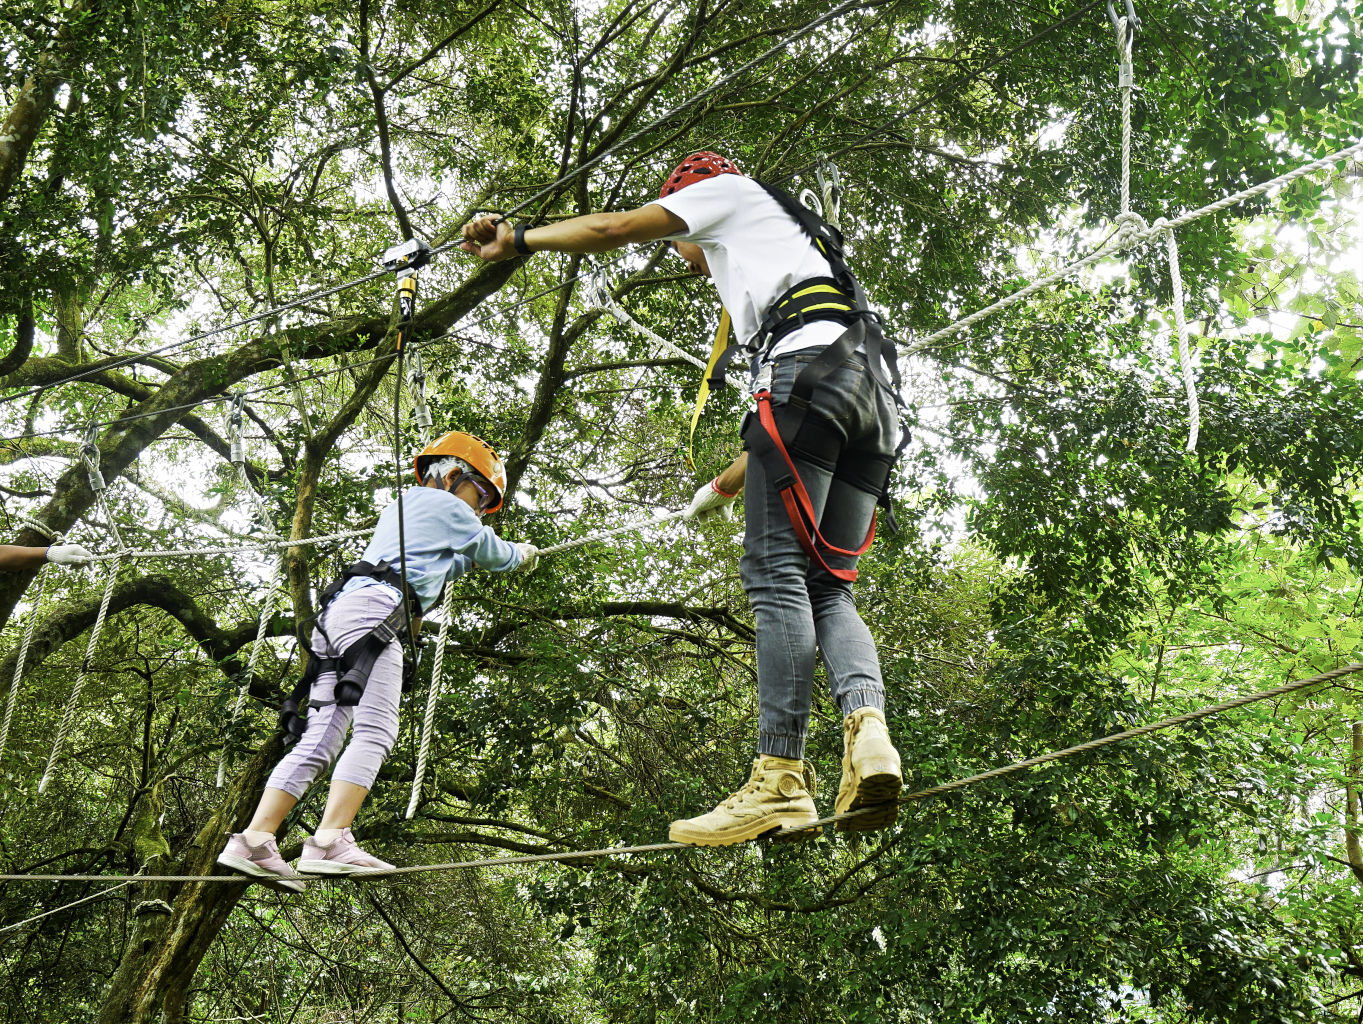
x=721 y=343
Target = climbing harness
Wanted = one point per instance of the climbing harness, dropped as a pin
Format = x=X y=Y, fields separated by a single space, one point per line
x=89 y=453
x=353 y=665
x=776 y=431
x=917 y=796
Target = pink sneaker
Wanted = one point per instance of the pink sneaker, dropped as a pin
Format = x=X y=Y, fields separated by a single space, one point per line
x=342 y=856
x=263 y=862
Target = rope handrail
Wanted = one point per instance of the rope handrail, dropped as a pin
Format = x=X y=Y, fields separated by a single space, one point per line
x=275 y=543
x=613 y=851
x=1131 y=231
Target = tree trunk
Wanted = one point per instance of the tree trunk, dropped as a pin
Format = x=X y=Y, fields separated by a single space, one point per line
x=175 y=923
x=32 y=107
x=1351 y=843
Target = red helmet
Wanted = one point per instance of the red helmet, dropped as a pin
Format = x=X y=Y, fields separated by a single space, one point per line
x=697 y=167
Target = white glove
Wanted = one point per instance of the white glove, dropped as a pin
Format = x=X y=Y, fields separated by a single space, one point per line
x=69 y=554
x=529 y=556
x=710 y=500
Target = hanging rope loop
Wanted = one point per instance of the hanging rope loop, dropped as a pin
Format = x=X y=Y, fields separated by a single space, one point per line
x=73 y=702
x=234 y=424
x=1185 y=358
x=42 y=528
x=1124 y=29
x=416 y=372
x=89 y=455
x=432 y=697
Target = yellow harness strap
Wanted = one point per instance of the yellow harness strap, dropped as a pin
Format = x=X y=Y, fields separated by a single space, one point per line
x=721 y=343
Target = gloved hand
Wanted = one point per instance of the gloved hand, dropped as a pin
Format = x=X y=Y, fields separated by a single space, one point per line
x=710 y=500
x=529 y=556
x=69 y=554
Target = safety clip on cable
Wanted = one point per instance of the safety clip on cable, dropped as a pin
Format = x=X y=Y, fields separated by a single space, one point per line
x=829 y=180
x=89 y=453
x=416 y=373
x=238 y=451
x=1124 y=28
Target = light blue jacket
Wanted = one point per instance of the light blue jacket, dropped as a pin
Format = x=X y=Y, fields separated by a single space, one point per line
x=445 y=539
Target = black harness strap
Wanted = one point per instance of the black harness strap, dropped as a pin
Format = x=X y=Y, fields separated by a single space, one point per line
x=356 y=662
x=794 y=426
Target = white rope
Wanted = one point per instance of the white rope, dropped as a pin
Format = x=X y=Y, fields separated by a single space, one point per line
x=22 y=657
x=89 y=454
x=428 y=721
x=276 y=580
x=1131 y=231
x=69 y=715
x=37 y=527
x=1126 y=80
x=1185 y=360
x=265 y=544
x=599 y=294
x=593 y=538
x=266 y=613
x=1114 y=244
x=66 y=906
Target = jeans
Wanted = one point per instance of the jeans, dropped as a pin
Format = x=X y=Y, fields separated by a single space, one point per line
x=350 y=616
x=800 y=607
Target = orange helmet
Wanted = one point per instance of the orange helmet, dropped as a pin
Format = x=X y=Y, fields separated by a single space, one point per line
x=473 y=450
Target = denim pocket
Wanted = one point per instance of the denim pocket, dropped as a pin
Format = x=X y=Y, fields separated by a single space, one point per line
x=836 y=395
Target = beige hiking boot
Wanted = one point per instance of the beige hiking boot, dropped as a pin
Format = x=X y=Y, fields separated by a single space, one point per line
x=776 y=796
x=870 y=772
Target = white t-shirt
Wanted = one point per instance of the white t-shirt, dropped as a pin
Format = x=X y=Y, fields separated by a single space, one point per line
x=756 y=252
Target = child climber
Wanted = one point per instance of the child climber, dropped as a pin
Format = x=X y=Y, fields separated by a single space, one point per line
x=462 y=479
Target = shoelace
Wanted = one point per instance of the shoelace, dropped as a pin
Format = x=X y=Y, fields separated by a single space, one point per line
x=748 y=787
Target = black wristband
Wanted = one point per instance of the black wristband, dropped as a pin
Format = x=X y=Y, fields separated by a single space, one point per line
x=518 y=240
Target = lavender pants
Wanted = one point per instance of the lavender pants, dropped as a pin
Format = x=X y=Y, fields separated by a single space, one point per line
x=375 y=718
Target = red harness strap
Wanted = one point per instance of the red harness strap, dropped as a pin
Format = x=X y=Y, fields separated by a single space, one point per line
x=800 y=507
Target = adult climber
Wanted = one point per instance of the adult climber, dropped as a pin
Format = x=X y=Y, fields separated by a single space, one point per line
x=355 y=670
x=820 y=365
x=15 y=557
